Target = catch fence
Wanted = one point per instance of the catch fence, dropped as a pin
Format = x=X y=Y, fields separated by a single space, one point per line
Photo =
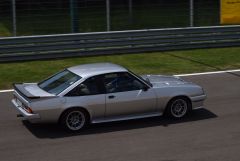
x=41 y=17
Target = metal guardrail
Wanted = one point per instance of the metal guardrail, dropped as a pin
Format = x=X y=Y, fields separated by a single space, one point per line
x=118 y=42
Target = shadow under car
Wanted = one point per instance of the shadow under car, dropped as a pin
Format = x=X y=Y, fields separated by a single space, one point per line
x=55 y=131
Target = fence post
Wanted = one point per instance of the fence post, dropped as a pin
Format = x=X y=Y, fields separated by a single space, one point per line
x=14 y=22
x=191 y=13
x=74 y=16
x=108 y=15
x=220 y=12
x=130 y=11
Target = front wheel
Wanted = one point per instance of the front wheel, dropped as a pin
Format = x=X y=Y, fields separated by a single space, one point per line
x=74 y=119
x=178 y=107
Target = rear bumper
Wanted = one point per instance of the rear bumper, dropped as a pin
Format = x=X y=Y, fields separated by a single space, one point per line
x=26 y=116
x=197 y=101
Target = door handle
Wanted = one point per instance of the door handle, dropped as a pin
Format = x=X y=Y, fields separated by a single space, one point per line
x=111 y=97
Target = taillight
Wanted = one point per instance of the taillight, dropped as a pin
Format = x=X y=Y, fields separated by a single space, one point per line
x=28 y=109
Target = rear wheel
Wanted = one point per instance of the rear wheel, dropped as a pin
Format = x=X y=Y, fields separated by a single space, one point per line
x=178 y=107
x=74 y=119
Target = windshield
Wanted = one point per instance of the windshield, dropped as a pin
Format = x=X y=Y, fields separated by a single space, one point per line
x=59 y=82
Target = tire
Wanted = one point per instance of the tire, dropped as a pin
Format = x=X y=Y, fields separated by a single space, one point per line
x=74 y=119
x=178 y=107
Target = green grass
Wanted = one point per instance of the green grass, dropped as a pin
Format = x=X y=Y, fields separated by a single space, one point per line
x=4 y=30
x=155 y=63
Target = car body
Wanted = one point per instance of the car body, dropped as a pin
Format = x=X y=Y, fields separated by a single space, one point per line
x=104 y=92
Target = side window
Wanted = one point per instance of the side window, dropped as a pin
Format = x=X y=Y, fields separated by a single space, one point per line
x=110 y=81
x=120 y=82
x=88 y=87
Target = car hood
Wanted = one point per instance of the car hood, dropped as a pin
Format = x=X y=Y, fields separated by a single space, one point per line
x=162 y=80
x=31 y=90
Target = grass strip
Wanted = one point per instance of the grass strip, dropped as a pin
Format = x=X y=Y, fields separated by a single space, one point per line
x=174 y=62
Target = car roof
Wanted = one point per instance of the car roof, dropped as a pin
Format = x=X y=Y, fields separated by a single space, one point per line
x=88 y=70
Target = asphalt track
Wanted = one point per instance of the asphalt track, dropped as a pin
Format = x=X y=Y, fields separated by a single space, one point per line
x=209 y=134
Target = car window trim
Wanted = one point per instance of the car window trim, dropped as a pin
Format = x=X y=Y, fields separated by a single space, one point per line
x=140 y=79
x=133 y=75
x=57 y=74
x=38 y=84
x=102 y=90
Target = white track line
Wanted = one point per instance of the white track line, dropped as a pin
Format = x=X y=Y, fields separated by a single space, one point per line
x=207 y=73
x=5 y=91
x=179 y=75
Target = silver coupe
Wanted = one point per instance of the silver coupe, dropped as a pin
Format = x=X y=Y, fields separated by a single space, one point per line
x=103 y=92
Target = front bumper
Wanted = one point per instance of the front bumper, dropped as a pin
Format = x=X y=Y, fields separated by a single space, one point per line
x=197 y=101
x=26 y=116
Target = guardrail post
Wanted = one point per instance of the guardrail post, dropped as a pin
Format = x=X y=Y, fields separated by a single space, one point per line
x=14 y=23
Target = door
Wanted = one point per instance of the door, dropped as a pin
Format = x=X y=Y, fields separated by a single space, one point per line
x=127 y=95
x=90 y=94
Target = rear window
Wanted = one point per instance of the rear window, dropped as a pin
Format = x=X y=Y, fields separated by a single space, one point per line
x=59 y=82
